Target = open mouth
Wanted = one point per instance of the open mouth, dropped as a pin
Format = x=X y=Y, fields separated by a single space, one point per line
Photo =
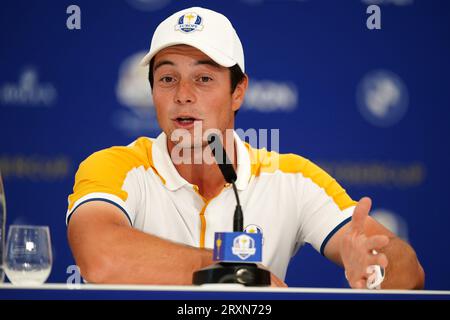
x=185 y=121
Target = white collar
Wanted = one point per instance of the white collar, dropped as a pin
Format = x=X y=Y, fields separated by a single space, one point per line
x=173 y=180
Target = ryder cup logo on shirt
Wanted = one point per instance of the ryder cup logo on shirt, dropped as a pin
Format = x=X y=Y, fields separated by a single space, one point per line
x=243 y=247
x=189 y=22
x=253 y=228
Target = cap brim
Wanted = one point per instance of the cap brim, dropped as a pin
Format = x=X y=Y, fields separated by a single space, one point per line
x=214 y=54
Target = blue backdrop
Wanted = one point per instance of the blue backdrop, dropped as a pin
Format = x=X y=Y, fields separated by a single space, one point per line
x=370 y=106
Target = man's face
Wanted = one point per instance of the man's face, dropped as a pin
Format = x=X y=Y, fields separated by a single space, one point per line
x=190 y=88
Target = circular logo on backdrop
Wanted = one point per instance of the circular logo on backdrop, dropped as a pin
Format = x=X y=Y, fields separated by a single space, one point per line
x=133 y=88
x=138 y=117
x=148 y=5
x=382 y=98
x=391 y=221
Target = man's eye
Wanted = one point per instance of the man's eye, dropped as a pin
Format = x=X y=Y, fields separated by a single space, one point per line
x=205 y=79
x=167 y=79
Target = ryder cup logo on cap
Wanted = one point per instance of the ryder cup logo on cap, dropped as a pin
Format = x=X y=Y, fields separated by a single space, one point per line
x=204 y=29
x=189 y=22
x=244 y=246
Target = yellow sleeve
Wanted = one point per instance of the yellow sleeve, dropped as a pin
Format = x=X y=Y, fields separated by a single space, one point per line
x=102 y=175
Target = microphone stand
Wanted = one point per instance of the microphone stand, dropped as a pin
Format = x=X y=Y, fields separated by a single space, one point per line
x=248 y=274
x=238 y=220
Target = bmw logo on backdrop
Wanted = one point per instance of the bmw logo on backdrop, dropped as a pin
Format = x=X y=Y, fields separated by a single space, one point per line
x=382 y=98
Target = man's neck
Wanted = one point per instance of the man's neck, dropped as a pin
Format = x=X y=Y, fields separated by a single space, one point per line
x=205 y=174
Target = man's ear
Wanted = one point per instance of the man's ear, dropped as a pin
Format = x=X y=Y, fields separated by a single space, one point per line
x=237 y=97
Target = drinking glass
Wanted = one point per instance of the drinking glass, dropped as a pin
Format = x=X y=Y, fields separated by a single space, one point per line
x=28 y=256
x=2 y=226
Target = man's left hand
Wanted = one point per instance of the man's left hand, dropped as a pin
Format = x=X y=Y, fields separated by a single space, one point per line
x=357 y=249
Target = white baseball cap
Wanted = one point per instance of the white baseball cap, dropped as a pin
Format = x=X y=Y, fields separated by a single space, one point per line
x=207 y=30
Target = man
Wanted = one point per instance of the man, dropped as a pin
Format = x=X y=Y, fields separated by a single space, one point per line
x=139 y=214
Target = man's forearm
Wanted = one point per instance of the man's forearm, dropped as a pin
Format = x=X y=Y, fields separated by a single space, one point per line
x=121 y=254
x=404 y=270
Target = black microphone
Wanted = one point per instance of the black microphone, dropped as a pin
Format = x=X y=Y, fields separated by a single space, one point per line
x=231 y=270
x=228 y=172
x=222 y=160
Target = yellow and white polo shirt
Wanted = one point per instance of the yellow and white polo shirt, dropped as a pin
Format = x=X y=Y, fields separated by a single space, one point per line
x=286 y=197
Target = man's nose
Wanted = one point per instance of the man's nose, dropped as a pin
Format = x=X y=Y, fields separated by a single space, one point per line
x=184 y=93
